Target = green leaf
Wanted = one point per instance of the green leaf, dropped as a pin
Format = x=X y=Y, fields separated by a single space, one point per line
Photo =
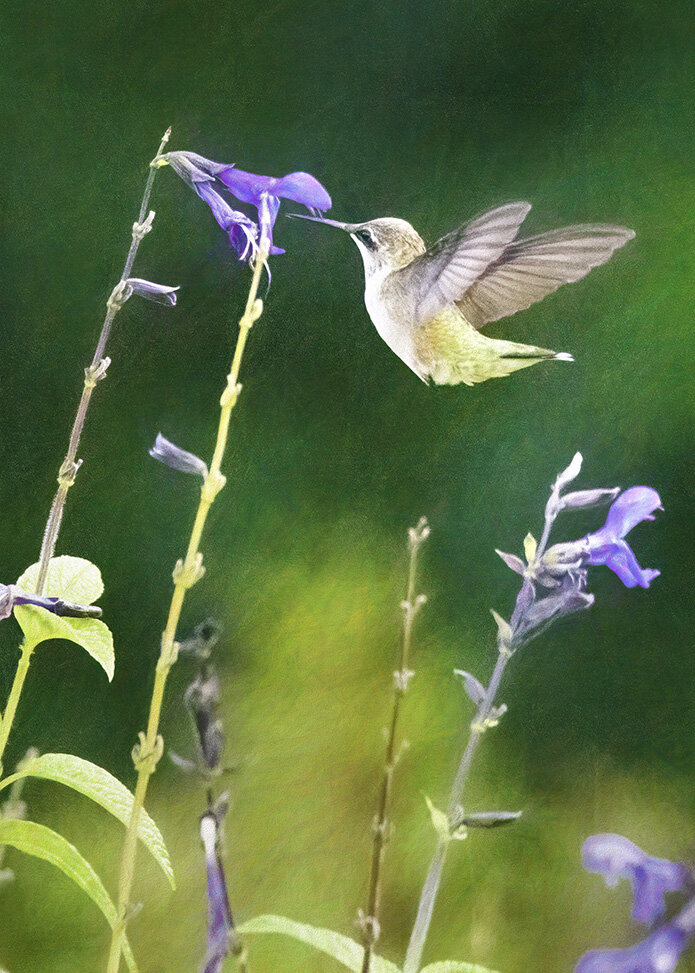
x=39 y=841
x=455 y=966
x=341 y=948
x=102 y=788
x=77 y=580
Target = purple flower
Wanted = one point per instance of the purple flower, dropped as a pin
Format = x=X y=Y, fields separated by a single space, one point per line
x=202 y=698
x=220 y=921
x=615 y=857
x=658 y=953
x=178 y=459
x=608 y=546
x=160 y=293
x=265 y=193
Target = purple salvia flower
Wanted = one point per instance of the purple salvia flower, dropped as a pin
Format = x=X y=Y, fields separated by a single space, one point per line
x=658 y=953
x=615 y=857
x=178 y=459
x=191 y=167
x=608 y=546
x=220 y=921
x=265 y=193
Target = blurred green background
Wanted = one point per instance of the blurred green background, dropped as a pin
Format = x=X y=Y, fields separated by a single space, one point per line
x=432 y=113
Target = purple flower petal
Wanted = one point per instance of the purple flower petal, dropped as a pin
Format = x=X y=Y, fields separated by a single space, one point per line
x=620 y=558
x=631 y=508
x=303 y=188
x=241 y=230
x=193 y=168
x=615 y=857
x=246 y=186
x=658 y=953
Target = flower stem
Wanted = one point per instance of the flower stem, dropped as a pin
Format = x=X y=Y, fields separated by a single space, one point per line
x=434 y=875
x=7 y=719
x=148 y=751
x=70 y=465
x=411 y=605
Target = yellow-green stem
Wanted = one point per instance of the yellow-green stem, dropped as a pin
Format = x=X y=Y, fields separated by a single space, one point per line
x=13 y=699
x=146 y=754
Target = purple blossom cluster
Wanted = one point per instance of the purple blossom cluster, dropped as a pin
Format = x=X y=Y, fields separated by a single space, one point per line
x=616 y=857
x=216 y=182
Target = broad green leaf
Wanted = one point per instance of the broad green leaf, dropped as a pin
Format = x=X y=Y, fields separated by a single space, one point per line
x=73 y=578
x=39 y=841
x=76 y=580
x=454 y=966
x=102 y=788
x=341 y=948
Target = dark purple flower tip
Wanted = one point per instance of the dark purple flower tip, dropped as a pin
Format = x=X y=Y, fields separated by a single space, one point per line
x=658 y=953
x=631 y=508
x=615 y=857
x=176 y=458
x=202 y=697
x=220 y=922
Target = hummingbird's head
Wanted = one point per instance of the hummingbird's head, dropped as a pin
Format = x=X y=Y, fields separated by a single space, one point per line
x=385 y=244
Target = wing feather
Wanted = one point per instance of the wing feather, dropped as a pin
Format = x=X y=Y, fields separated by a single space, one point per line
x=443 y=274
x=528 y=270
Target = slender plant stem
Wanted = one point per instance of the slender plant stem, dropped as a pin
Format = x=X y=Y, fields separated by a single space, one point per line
x=70 y=465
x=370 y=920
x=148 y=751
x=68 y=469
x=430 y=889
x=26 y=651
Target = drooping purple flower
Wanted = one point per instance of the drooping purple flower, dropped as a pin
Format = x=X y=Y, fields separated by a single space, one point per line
x=220 y=921
x=265 y=193
x=241 y=230
x=658 y=953
x=178 y=459
x=615 y=857
x=608 y=545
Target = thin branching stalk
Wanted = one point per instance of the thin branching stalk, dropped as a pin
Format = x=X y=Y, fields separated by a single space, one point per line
x=148 y=751
x=70 y=465
x=369 y=921
x=480 y=722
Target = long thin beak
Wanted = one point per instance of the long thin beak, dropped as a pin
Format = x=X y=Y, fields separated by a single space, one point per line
x=348 y=227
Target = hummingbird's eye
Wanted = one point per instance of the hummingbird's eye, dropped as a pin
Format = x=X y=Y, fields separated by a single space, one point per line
x=365 y=237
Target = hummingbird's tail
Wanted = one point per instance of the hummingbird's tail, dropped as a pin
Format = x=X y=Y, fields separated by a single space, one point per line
x=452 y=353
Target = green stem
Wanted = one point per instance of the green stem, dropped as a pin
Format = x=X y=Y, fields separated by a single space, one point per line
x=146 y=754
x=370 y=921
x=70 y=465
x=26 y=650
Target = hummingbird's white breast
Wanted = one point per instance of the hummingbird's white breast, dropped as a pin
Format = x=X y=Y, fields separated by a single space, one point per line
x=392 y=318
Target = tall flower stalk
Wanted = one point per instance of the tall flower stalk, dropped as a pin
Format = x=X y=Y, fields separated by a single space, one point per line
x=147 y=753
x=553 y=586
x=93 y=374
x=369 y=920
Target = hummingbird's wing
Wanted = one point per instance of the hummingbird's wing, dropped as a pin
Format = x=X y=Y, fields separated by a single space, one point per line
x=446 y=271
x=528 y=270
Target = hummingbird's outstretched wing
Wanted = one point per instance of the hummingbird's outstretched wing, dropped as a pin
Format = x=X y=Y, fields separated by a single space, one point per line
x=445 y=272
x=528 y=270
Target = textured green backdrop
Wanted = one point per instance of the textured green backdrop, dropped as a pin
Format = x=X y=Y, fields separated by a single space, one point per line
x=433 y=113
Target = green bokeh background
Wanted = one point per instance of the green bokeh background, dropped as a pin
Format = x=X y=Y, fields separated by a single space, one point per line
x=432 y=113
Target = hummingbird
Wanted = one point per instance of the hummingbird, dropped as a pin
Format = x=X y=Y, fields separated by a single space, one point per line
x=429 y=304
